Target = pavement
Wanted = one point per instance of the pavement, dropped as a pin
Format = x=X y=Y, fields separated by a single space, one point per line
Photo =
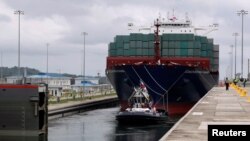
x=218 y=106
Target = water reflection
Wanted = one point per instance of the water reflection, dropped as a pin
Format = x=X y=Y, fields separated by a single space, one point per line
x=101 y=125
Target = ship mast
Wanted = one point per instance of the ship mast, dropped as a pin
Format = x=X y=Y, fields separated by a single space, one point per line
x=157 y=42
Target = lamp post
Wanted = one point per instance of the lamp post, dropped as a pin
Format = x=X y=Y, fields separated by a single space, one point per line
x=235 y=52
x=84 y=34
x=248 y=68
x=231 y=60
x=47 y=64
x=19 y=12
x=1 y=67
x=242 y=13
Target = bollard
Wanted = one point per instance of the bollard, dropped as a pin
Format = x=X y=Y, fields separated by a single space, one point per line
x=238 y=90
x=248 y=99
x=243 y=93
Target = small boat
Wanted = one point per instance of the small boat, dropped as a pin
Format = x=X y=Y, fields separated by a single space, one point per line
x=141 y=115
x=141 y=110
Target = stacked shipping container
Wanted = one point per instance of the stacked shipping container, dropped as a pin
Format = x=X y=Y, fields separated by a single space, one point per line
x=172 y=45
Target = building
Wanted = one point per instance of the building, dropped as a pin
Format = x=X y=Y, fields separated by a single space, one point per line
x=57 y=83
x=90 y=88
x=92 y=80
x=13 y=79
x=91 y=85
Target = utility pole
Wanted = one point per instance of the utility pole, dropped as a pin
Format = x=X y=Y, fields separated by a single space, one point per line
x=242 y=13
x=47 y=64
x=84 y=57
x=1 y=66
x=231 y=60
x=19 y=12
x=235 y=52
x=248 y=69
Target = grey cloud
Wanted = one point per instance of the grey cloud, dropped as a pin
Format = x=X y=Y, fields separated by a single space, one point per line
x=4 y=18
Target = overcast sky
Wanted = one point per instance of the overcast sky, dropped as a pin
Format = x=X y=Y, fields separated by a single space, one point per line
x=60 y=23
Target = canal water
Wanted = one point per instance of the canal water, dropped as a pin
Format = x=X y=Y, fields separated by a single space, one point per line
x=100 y=125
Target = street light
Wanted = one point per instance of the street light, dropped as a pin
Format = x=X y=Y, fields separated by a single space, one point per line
x=1 y=67
x=84 y=34
x=235 y=52
x=242 y=13
x=19 y=12
x=47 y=66
x=247 y=68
x=231 y=60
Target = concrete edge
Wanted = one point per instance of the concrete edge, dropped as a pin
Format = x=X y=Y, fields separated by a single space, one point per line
x=163 y=138
x=63 y=106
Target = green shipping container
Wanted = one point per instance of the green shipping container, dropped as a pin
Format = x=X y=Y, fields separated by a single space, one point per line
x=189 y=37
x=172 y=37
x=204 y=40
x=145 y=51
x=119 y=44
x=209 y=46
x=151 y=52
x=138 y=44
x=119 y=52
x=184 y=52
x=118 y=38
x=138 y=52
x=111 y=46
x=132 y=52
x=204 y=47
x=165 y=44
x=164 y=52
x=165 y=37
x=132 y=44
x=151 y=44
x=171 y=44
x=145 y=37
x=126 y=52
x=190 y=44
x=177 y=45
x=197 y=38
x=197 y=44
x=151 y=37
x=125 y=38
x=126 y=45
x=203 y=53
x=177 y=52
x=197 y=52
x=171 y=52
x=145 y=45
x=191 y=52
x=112 y=52
x=183 y=44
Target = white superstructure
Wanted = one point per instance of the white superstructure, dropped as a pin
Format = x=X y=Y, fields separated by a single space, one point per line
x=173 y=25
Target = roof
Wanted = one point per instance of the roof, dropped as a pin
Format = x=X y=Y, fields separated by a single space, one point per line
x=85 y=83
x=87 y=78
x=49 y=75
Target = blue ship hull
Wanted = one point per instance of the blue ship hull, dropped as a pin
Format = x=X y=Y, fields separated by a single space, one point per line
x=174 y=89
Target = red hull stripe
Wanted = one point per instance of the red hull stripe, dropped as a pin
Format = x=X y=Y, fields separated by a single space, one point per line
x=13 y=86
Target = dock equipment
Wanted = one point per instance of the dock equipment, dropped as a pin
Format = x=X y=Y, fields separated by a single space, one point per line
x=23 y=112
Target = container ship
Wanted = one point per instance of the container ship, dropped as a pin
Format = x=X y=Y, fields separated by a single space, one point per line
x=176 y=66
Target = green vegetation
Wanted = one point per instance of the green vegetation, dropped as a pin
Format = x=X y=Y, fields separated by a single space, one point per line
x=14 y=71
